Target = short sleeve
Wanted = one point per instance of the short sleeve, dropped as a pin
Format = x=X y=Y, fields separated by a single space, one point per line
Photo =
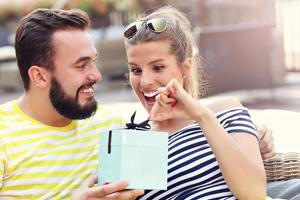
x=237 y=120
x=2 y=163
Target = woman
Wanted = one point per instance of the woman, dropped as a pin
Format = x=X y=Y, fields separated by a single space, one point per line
x=213 y=150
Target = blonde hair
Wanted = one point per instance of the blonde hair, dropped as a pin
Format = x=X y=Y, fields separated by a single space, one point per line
x=183 y=44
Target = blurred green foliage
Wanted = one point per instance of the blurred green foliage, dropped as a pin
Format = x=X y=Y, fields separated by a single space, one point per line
x=96 y=9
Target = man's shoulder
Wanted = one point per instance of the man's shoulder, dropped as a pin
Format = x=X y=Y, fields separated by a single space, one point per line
x=6 y=108
x=7 y=115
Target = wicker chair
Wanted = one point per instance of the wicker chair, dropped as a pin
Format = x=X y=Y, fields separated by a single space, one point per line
x=283 y=166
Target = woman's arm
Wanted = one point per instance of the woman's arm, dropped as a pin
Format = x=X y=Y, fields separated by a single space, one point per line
x=237 y=154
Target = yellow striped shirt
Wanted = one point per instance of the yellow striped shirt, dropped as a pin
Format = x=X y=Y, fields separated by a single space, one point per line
x=44 y=162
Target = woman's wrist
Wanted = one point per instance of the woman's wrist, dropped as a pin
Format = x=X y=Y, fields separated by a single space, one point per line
x=204 y=114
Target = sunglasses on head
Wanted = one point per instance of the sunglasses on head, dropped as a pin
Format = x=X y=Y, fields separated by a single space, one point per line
x=156 y=25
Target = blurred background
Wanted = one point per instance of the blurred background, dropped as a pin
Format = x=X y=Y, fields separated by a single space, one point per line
x=250 y=48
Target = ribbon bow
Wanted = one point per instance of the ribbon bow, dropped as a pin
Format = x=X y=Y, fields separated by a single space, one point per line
x=143 y=126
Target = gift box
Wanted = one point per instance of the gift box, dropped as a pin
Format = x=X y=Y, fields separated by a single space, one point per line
x=141 y=157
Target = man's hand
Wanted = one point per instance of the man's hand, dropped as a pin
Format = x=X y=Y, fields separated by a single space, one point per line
x=106 y=192
x=266 y=144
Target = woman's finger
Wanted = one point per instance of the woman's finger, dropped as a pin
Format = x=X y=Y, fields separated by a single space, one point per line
x=160 y=100
x=156 y=114
x=164 y=99
x=163 y=90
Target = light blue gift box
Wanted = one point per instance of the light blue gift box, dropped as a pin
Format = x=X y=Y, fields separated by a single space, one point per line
x=141 y=157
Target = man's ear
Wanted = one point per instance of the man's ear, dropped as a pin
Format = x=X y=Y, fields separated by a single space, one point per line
x=39 y=76
x=187 y=67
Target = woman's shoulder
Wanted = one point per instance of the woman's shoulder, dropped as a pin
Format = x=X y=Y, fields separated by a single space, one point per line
x=223 y=104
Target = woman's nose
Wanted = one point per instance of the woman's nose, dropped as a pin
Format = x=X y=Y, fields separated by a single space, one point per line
x=147 y=79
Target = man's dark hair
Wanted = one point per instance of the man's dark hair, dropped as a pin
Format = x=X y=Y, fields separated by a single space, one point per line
x=34 y=41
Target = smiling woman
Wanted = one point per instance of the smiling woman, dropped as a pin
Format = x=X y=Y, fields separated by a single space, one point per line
x=206 y=142
x=151 y=64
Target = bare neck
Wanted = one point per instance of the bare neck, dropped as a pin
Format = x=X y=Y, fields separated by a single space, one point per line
x=39 y=107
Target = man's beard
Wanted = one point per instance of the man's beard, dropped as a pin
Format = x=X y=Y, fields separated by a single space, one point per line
x=68 y=106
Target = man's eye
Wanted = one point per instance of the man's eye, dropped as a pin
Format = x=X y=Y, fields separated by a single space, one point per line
x=80 y=66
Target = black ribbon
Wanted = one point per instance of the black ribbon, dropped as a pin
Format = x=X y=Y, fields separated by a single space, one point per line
x=143 y=126
x=109 y=141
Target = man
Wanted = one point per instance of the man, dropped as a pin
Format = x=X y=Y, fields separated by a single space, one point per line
x=47 y=150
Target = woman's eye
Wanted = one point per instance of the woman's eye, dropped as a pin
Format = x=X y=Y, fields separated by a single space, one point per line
x=158 y=67
x=135 y=70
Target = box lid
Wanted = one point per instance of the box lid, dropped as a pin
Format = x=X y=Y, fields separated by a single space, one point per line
x=127 y=137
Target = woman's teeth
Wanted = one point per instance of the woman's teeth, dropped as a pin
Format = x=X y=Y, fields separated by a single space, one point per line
x=150 y=94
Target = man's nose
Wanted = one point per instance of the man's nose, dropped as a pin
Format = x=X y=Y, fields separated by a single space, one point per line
x=95 y=74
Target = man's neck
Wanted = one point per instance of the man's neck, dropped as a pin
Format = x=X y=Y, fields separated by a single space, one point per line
x=42 y=110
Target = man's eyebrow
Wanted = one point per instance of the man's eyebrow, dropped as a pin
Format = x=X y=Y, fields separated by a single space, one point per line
x=82 y=59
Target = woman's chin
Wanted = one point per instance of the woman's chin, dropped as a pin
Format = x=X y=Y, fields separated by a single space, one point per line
x=148 y=106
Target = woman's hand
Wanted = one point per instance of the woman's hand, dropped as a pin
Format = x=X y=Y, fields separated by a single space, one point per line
x=174 y=102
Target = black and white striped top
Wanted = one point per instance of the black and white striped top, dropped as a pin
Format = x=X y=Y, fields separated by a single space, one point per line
x=193 y=171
